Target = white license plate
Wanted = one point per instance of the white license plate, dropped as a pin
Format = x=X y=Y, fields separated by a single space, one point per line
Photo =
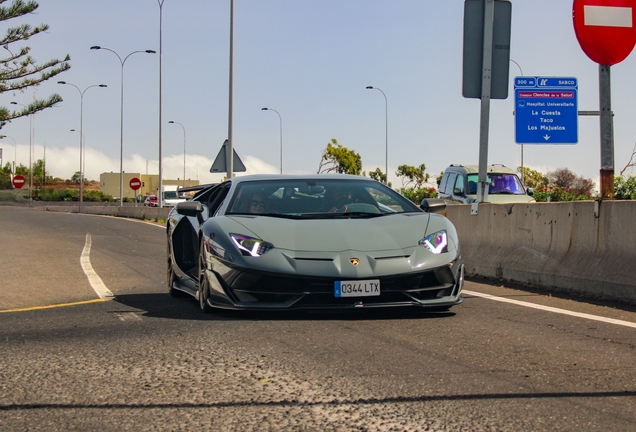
x=359 y=288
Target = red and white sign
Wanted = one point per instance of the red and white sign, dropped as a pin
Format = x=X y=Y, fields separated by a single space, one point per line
x=605 y=29
x=18 y=181
x=135 y=183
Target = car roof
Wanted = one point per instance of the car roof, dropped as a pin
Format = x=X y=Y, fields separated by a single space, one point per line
x=474 y=169
x=256 y=177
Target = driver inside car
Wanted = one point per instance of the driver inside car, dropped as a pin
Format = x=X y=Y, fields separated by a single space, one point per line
x=336 y=198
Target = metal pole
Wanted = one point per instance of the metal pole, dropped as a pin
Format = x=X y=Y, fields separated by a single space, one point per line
x=15 y=152
x=121 y=118
x=184 y=150
x=30 y=158
x=523 y=179
x=280 y=119
x=607 y=133
x=160 y=194
x=81 y=145
x=489 y=14
x=229 y=151
x=386 y=131
x=30 y=150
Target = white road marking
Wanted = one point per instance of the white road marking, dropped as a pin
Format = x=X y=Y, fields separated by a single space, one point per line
x=607 y=16
x=551 y=309
x=93 y=278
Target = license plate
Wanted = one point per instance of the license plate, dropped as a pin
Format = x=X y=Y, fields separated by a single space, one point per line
x=359 y=288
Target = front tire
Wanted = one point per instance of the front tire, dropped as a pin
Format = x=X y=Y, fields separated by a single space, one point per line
x=204 y=284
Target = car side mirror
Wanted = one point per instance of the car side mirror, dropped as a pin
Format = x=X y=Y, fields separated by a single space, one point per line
x=433 y=205
x=530 y=191
x=190 y=208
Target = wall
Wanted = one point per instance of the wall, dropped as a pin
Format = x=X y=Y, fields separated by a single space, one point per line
x=560 y=246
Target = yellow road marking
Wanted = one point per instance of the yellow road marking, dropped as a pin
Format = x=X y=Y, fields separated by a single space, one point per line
x=55 y=305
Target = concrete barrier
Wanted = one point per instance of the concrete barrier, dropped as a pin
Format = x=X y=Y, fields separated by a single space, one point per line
x=586 y=248
x=139 y=212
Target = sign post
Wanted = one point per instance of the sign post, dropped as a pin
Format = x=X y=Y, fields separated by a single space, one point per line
x=18 y=181
x=605 y=30
x=486 y=64
x=135 y=184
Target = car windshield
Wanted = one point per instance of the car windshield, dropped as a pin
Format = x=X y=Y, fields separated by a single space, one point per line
x=317 y=199
x=170 y=195
x=499 y=184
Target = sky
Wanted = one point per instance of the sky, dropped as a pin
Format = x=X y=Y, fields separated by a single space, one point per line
x=311 y=61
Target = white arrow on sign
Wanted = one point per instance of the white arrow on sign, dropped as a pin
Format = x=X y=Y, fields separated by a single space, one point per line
x=546 y=137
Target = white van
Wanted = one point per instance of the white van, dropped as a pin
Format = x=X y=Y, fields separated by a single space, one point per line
x=459 y=184
x=170 y=196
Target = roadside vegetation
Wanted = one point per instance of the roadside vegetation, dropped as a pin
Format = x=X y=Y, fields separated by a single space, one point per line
x=47 y=188
x=554 y=186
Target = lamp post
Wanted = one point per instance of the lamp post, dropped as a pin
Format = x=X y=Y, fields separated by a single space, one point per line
x=30 y=151
x=523 y=179
x=81 y=179
x=121 y=120
x=386 y=128
x=15 y=150
x=160 y=194
x=184 y=150
x=281 y=135
x=81 y=131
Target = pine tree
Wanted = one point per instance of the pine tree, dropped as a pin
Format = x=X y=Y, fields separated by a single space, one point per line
x=19 y=70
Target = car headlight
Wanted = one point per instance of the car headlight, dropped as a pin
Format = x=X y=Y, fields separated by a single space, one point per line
x=436 y=242
x=250 y=246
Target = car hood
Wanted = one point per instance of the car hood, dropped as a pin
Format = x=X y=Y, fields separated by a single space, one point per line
x=389 y=232
x=506 y=198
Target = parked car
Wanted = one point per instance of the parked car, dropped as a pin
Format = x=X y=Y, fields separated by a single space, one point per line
x=279 y=242
x=459 y=185
x=151 y=201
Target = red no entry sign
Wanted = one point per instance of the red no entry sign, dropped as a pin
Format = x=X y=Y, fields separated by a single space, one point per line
x=605 y=29
x=135 y=183
x=18 y=181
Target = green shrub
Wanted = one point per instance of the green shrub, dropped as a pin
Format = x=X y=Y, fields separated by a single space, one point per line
x=58 y=195
x=556 y=194
x=625 y=188
x=17 y=195
x=96 y=196
x=418 y=195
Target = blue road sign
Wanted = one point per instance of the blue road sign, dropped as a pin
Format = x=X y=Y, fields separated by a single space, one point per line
x=546 y=110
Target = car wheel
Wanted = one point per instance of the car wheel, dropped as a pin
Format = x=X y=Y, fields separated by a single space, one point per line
x=204 y=284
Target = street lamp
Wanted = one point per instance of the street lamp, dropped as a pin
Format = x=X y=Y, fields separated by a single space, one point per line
x=82 y=166
x=121 y=120
x=15 y=150
x=281 y=135
x=30 y=151
x=184 y=150
x=160 y=194
x=81 y=131
x=523 y=179
x=386 y=128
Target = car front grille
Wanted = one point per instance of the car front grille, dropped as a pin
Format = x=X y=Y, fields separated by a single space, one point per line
x=276 y=291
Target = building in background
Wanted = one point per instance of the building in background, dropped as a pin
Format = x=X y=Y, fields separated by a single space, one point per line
x=109 y=184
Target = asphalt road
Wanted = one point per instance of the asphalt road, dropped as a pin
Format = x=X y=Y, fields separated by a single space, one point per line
x=144 y=361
